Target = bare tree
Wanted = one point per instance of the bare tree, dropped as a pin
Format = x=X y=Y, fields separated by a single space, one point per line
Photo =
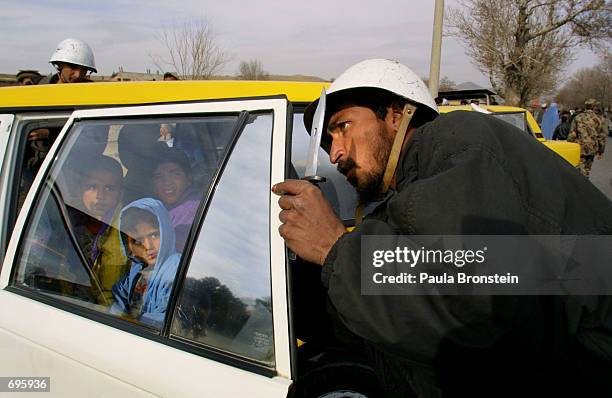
x=587 y=83
x=524 y=45
x=191 y=51
x=252 y=70
x=447 y=84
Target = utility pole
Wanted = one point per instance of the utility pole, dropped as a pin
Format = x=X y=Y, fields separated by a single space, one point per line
x=436 y=48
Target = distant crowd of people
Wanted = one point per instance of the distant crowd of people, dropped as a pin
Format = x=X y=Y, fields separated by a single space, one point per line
x=587 y=127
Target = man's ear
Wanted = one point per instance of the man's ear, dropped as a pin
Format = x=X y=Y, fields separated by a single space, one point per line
x=394 y=117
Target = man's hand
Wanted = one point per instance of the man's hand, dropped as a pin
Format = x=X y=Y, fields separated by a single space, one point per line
x=310 y=226
x=38 y=134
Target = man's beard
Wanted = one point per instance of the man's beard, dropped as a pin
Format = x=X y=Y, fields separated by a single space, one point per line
x=368 y=187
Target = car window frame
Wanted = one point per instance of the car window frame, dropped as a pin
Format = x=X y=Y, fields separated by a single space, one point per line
x=279 y=106
x=6 y=125
x=12 y=168
x=7 y=120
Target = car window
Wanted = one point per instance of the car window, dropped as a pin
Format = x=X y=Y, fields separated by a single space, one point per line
x=225 y=302
x=516 y=119
x=111 y=220
x=35 y=138
x=336 y=189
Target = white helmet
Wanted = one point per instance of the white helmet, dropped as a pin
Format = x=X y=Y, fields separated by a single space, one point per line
x=382 y=74
x=74 y=51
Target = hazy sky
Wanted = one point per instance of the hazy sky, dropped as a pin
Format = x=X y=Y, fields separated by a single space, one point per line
x=313 y=37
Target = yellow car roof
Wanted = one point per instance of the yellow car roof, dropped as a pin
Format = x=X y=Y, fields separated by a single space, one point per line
x=122 y=93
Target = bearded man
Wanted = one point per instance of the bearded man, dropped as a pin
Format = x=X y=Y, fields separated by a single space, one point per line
x=463 y=173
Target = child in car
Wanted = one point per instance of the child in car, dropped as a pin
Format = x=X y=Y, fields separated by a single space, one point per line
x=172 y=184
x=95 y=220
x=148 y=239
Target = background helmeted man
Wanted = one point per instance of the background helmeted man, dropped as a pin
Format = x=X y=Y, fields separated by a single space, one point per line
x=28 y=77
x=73 y=59
x=588 y=130
x=169 y=76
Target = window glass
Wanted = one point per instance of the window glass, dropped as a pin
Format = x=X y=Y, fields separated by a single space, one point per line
x=39 y=136
x=336 y=189
x=515 y=119
x=225 y=301
x=112 y=218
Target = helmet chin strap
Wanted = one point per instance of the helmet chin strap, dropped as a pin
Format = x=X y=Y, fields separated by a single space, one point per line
x=394 y=155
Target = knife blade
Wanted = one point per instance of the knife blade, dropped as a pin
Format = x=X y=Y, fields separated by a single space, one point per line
x=316 y=133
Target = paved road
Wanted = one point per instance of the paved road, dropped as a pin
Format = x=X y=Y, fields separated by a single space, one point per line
x=601 y=173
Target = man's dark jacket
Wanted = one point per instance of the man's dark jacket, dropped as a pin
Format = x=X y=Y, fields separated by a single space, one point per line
x=562 y=131
x=469 y=173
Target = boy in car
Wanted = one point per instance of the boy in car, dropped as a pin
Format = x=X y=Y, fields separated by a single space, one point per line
x=148 y=239
x=95 y=223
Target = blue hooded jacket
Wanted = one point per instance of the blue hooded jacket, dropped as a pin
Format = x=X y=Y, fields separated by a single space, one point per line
x=162 y=277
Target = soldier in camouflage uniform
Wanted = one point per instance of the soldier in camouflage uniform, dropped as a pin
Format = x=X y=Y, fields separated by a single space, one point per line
x=588 y=130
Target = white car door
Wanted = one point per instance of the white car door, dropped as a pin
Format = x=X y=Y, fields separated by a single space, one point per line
x=210 y=319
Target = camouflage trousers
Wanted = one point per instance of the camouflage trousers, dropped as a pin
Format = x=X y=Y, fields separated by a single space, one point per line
x=585 y=165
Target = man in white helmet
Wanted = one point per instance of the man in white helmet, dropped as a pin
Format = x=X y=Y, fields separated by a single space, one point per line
x=73 y=59
x=463 y=173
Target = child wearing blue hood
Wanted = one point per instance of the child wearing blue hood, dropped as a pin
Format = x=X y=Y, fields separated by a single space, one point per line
x=147 y=237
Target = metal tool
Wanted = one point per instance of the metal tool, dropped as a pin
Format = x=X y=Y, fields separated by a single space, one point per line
x=315 y=141
x=312 y=158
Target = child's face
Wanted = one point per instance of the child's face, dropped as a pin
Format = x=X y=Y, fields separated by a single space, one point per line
x=100 y=192
x=144 y=242
x=170 y=182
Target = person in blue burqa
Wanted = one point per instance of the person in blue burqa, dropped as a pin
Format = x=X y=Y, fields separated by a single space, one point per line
x=148 y=239
x=550 y=121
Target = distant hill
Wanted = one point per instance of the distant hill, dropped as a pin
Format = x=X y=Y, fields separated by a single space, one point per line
x=283 y=78
x=297 y=78
x=470 y=86
x=9 y=79
x=138 y=76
